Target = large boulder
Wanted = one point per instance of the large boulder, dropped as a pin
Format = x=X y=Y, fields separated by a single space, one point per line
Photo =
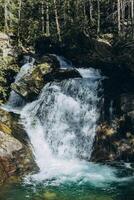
x=124 y=55
x=46 y=69
x=85 y=50
x=10 y=124
x=5 y=128
x=16 y=158
x=113 y=143
x=114 y=139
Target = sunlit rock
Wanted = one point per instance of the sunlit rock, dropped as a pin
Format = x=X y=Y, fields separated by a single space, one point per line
x=47 y=69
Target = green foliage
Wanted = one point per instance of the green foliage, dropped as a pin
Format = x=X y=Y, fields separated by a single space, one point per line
x=25 y=18
x=8 y=69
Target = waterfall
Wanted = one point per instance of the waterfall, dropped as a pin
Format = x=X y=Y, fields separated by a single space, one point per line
x=63 y=62
x=61 y=125
x=68 y=114
x=16 y=100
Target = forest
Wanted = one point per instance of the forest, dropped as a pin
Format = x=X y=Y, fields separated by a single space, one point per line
x=27 y=20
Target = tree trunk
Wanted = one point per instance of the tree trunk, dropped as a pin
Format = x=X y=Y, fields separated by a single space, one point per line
x=85 y=16
x=98 y=19
x=57 y=21
x=122 y=16
x=42 y=18
x=65 y=14
x=76 y=4
x=132 y=17
x=119 y=17
x=91 y=10
x=19 y=20
x=6 y=28
x=47 y=19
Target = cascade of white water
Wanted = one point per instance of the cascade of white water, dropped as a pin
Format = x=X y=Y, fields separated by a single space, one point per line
x=15 y=100
x=63 y=62
x=61 y=125
x=68 y=114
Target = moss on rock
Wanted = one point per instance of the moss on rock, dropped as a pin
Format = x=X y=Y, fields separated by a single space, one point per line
x=8 y=69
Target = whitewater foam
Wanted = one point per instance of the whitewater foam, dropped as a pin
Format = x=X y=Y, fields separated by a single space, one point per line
x=61 y=125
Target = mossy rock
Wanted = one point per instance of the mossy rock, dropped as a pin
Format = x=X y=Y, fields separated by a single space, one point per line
x=47 y=69
x=8 y=69
x=4 y=128
x=49 y=195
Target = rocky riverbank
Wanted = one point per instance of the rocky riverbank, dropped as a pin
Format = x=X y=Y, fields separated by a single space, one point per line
x=114 y=138
x=16 y=157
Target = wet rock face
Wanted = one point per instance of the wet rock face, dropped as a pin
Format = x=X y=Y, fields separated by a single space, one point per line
x=16 y=158
x=111 y=144
x=29 y=85
x=8 y=145
x=115 y=133
x=46 y=69
x=10 y=124
x=127 y=102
